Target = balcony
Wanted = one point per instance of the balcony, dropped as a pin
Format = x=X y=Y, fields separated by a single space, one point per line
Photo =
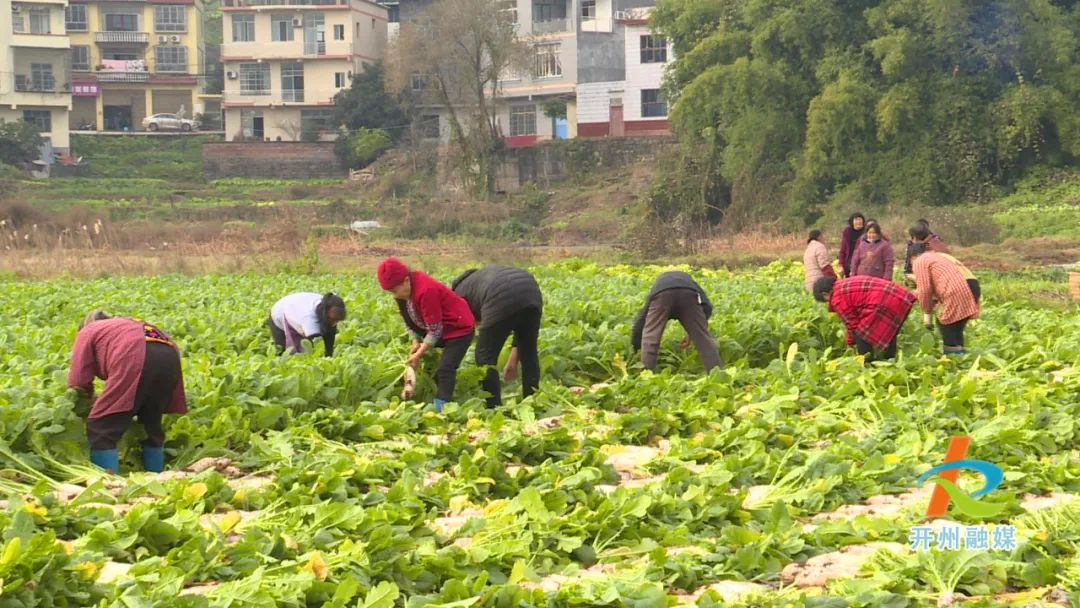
x=260 y=3
x=551 y=26
x=27 y=40
x=123 y=76
x=314 y=48
x=122 y=37
x=25 y=85
x=292 y=95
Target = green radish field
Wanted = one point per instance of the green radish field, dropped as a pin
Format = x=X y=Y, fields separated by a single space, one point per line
x=786 y=479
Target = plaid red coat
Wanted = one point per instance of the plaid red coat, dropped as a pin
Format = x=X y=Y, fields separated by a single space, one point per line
x=872 y=309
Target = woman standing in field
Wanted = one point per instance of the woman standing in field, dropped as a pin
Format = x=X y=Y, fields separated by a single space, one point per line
x=848 y=240
x=873 y=255
x=435 y=317
x=305 y=315
x=873 y=310
x=816 y=262
x=940 y=280
x=504 y=301
x=141 y=369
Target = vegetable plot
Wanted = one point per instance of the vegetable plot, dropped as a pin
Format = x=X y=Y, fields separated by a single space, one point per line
x=786 y=479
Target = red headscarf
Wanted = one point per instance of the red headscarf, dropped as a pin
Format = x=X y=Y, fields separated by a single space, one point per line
x=392 y=272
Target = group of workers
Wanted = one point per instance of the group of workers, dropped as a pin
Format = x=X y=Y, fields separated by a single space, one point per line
x=141 y=364
x=872 y=306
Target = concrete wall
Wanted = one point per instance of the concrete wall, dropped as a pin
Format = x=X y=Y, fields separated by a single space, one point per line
x=280 y=160
x=601 y=57
x=555 y=161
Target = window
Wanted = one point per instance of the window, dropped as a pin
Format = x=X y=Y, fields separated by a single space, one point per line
x=653 y=104
x=547 y=64
x=243 y=28
x=41 y=77
x=17 y=24
x=522 y=120
x=80 y=58
x=339 y=80
x=121 y=23
x=653 y=49
x=429 y=126
x=548 y=10
x=314 y=34
x=339 y=32
x=171 y=59
x=281 y=28
x=313 y=121
x=39 y=21
x=417 y=82
x=292 y=81
x=588 y=9
x=254 y=78
x=393 y=13
x=251 y=123
x=75 y=17
x=170 y=19
x=42 y=119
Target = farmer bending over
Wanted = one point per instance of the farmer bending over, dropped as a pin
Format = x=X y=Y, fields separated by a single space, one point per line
x=435 y=317
x=306 y=315
x=940 y=279
x=141 y=369
x=675 y=295
x=504 y=301
x=873 y=310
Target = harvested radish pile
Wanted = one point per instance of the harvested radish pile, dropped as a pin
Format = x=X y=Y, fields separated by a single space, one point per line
x=785 y=479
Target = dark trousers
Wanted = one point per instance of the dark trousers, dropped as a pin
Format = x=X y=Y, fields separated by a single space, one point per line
x=864 y=348
x=681 y=304
x=277 y=334
x=161 y=372
x=525 y=327
x=452 y=355
x=953 y=334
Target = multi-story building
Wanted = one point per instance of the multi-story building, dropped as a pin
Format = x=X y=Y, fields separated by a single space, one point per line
x=285 y=60
x=134 y=58
x=587 y=57
x=35 y=75
x=633 y=102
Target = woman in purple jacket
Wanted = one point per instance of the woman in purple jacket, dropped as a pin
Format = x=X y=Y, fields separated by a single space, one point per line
x=873 y=255
x=848 y=240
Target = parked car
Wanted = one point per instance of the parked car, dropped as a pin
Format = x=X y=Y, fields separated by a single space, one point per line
x=169 y=122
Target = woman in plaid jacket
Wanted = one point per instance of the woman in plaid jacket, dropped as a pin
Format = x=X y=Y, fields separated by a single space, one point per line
x=872 y=309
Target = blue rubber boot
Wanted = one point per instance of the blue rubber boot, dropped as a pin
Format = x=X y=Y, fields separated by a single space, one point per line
x=153 y=459
x=438 y=405
x=106 y=459
x=955 y=353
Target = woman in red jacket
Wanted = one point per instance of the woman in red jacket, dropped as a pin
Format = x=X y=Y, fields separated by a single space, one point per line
x=141 y=369
x=435 y=317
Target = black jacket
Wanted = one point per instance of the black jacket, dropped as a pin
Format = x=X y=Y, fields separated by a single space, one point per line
x=495 y=293
x=675 y=279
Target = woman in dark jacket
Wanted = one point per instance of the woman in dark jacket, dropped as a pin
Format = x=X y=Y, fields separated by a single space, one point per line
x=848 y=240
x=504 y=301
x=675 y=295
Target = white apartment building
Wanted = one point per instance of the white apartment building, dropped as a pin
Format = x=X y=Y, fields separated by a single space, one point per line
x=35 y=68
x=285 y=60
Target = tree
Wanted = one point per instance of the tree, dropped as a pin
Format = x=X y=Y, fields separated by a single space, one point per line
x=369 y=104
x=20 y=142
x=812 y=101
x=457 y=53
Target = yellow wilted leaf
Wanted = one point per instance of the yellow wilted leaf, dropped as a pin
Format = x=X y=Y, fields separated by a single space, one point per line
x=88 y=569
x=240 y=495
x=36 y=510
x=229 y=521
x=892 y=458
x=195 y=491
x=69 y=547
x=316 y=566
x=458 y=503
